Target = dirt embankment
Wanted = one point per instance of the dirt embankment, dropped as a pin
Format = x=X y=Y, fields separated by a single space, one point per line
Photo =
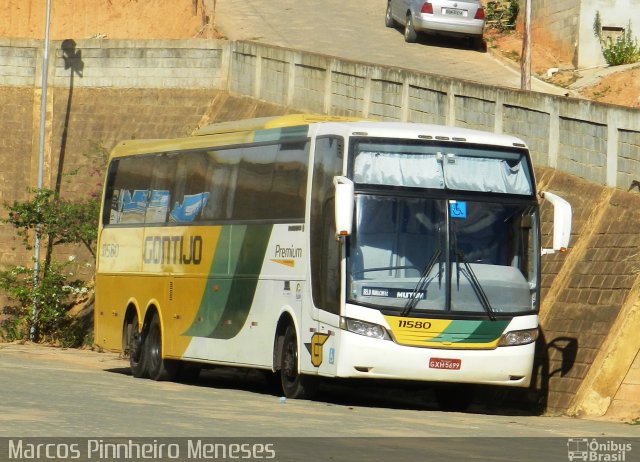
x=185 y=19
x=110 y=19
x=621 y=88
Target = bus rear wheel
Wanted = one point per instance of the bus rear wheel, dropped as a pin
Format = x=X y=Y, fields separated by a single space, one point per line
x=294 y=384
x=157 y=368
x=135 y=349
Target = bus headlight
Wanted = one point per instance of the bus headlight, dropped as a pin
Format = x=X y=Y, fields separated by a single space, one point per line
x=519 y=337
x=364 y=328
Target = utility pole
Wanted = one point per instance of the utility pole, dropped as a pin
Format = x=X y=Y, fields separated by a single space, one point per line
x=525 y=61
x=43 y=117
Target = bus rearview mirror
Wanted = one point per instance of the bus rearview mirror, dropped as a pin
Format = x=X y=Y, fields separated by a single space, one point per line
x=561 y=223
x=344 y=199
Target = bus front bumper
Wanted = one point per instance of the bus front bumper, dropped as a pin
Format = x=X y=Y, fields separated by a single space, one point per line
x=363 y=357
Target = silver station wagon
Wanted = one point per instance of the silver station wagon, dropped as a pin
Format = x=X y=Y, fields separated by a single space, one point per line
x=455 y=18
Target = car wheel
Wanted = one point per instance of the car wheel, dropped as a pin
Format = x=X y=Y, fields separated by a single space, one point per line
x=477 y=43
x=388 y=18
x=410 y=34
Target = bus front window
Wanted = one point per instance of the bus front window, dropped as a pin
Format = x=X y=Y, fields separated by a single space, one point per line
x=413 y=255
x=398 y=243
x=493 y=263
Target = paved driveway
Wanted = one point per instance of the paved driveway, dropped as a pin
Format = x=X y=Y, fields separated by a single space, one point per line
x=354 y=29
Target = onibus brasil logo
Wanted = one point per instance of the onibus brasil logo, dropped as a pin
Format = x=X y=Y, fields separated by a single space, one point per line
x=596 y=450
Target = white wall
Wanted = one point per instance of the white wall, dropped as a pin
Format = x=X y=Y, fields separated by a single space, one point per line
x=616 y=13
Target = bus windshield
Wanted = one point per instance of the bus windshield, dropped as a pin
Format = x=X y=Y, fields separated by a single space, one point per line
x=412 y=255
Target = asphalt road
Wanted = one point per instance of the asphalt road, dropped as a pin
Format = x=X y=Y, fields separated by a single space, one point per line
x=355 y=30
x=83 y=394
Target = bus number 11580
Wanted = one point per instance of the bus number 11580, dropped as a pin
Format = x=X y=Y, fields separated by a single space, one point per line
x=412 y=324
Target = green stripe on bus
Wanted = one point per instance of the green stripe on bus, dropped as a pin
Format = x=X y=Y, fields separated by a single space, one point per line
x=472 y=332
x=216 y=292
x=233 y=279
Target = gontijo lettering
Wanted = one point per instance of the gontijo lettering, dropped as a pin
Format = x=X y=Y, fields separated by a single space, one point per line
x=173 y=250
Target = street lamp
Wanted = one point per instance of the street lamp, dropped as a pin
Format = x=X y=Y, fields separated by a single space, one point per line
x=43 y=116
x=525 y=62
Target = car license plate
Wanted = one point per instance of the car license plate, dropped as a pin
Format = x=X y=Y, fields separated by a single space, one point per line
x=454 y=12
x=445 y=363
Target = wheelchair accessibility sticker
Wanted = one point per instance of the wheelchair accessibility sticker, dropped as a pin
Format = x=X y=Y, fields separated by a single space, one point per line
x=458 y=209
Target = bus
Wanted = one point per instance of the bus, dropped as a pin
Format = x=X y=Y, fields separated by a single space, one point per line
x=314 y=246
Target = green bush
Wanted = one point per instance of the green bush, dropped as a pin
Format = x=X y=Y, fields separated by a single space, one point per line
x=51 y=295
x=502 y=14
x=44 y=299
x=623 y=50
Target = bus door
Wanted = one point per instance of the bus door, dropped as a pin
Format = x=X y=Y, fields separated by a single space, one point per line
x=324 y=268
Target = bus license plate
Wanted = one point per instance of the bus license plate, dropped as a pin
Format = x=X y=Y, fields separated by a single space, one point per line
x=454 y=12
x=445 y=363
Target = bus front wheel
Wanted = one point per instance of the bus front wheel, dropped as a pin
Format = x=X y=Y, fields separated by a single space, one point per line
x=294 y=384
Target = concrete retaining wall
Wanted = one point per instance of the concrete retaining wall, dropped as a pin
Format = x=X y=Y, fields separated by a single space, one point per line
x=184 y=64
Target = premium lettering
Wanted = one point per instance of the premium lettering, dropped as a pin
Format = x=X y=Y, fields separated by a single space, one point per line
x=288 y=252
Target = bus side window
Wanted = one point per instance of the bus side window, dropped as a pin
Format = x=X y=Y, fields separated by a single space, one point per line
x=128 y=189
x=190 y=195
x=221 y=176
x=161 y=189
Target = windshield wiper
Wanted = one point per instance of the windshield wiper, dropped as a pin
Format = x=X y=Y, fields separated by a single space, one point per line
x=422 y=284
x=471 y=277
x=475 y=285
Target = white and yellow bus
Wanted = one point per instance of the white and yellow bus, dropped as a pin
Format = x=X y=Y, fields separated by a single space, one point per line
x=317 y=246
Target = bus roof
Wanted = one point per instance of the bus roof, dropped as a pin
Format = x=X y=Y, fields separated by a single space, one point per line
x=265 y=123
x=244 y=131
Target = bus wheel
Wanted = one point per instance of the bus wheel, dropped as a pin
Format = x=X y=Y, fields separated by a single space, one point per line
x=294 y=385
x=157 y=367
x=454 y=398
x=136 y=351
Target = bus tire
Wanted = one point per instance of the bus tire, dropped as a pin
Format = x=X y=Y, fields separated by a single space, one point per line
x=135 y=347
x=157 y=367
x=294 y=384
